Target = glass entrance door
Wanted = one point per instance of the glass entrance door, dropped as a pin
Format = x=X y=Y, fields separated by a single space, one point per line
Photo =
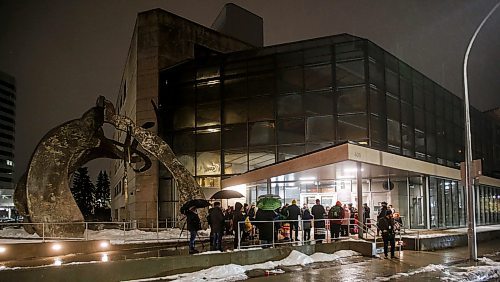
x=417 y=203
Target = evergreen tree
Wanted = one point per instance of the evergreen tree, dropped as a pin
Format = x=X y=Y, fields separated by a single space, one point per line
x=83 y=191
x=102 y=193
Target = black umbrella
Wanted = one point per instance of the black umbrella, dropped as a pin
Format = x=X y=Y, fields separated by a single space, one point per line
x=198 y=203
x=227 y=194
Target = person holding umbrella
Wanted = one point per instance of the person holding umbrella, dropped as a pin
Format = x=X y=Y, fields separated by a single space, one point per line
x=193 y=225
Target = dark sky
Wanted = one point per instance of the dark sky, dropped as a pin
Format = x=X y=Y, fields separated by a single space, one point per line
x=66 y=53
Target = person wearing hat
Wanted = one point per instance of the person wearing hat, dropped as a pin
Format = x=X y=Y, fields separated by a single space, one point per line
x=386 y=226
x=336 y=214
x=293 y=216
x=193 y=225
x=382 y=213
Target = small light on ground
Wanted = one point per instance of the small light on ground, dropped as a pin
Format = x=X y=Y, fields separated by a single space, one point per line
x=104 y=244
x=57 y=261
x=104 y=258
x=56 y=247
x=2 y=249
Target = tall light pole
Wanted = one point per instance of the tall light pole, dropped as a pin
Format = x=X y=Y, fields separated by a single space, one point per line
x=471 y=220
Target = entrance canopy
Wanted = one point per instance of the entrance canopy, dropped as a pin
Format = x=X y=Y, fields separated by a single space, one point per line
x=339 y=162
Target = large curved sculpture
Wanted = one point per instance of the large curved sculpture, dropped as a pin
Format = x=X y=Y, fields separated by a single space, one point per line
x=43 y=194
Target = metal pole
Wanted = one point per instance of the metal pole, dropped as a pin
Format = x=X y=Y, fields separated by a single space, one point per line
x=471 y=220
x=359 y=182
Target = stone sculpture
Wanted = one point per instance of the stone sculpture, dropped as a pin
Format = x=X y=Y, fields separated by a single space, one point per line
x=43 y=194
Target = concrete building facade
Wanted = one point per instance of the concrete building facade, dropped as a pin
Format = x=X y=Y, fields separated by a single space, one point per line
x=160 y=40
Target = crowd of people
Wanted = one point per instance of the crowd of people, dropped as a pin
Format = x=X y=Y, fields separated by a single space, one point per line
x=283 y=223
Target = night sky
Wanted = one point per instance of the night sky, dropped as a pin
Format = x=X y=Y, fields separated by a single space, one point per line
x=66 y=53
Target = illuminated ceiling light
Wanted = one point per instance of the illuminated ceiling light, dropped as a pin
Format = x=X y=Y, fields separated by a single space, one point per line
x=348 y=170
x=57 y=261
x=104 y=244
x=3 y=249
x=212 y=82
x=56 y=247
x=104 y=258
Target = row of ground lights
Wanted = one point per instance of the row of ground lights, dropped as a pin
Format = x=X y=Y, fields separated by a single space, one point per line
x=58 y=247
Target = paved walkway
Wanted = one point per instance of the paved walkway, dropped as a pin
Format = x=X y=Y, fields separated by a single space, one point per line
x=407 y=268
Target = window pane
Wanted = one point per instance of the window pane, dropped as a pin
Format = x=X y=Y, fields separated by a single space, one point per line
x=188 y=161
x=235 y=161
x=419 y=141
x=261 y=133
x=208 y=71
x=262 y=84
x=290 y=80
x=184 y=142
x=350 y=73
x=291 y=131
x=320 y=129
x=378 y=127
x=377 y=102
x=392 y=82
x=261 y=109
x=317 y=78
x=262 y=156
x=376 y=74
x=235 y=111
x=393 y=133
x=208 y=91
x=235 y=136
x=208 y=139
x=406 y=114
x=290 y=105
x=419 y=119
x=392 y=108
x=317 y=55
x=408 y=140
x=351 y=100
x=235 y=88
x=352 y=127
x=288 y=152
x=406 y=90
x=208 y=115
x=318 y=103
x=208 y=163
x=183 y=117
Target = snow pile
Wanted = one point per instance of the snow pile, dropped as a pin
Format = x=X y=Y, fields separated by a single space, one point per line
x=487 y=270
x=17 y=233
x=428 y=268
x=234 y=272
x=490 y=270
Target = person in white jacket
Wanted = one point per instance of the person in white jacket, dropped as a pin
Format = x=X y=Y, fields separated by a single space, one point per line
x=345 y=222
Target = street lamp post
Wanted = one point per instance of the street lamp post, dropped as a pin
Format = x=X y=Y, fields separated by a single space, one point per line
x=471 y=220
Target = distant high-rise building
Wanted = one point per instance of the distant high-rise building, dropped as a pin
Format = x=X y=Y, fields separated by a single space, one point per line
x=7 y=133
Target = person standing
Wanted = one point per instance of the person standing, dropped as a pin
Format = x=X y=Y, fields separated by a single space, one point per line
x=336 y=214
x=216 y=221
x=386 y=226
x=345 y=222
x=293 y=215
x=381 y=214
x=306 y=224
x=318 y=212
x=193 y=225
x=366 y=217
x=238 y=219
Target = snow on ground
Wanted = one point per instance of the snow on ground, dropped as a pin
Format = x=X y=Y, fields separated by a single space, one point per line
x=234 y=272
x=116 y=236
x=414 y=233
x=486 y=269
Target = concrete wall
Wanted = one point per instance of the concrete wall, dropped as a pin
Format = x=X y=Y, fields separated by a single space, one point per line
x=141 y=268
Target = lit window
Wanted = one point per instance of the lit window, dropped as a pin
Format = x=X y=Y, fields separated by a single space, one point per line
x=10 y=163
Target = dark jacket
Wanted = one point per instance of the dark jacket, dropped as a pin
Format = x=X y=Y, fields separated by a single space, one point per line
x=306 y=217
x=293 y=212
x=386 y=225
x=366 y=213
x=382 y=213
x=318 y=211
x=216 y=219
x=340 y=214
x=265 y=228
x=193 y=221
x=238 y=217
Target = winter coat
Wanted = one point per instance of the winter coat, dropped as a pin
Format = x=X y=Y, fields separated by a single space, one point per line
x=265 y=228
x=215 y=219
x=347 y=216
x=386 y=225
x=238 y=217
x=318 y=211
x=306 y=217
x=293 y=212
x=366 y=213
x=336 y=213
x=382 y=213
x=193 y=221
